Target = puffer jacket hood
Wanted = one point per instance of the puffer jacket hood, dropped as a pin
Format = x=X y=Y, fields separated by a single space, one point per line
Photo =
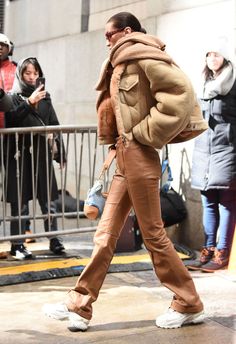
x=134 y=46
x=138 y=45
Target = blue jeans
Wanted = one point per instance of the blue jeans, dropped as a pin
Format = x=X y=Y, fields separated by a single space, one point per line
x=219 y=215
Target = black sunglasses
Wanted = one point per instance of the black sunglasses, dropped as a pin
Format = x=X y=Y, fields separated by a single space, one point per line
x=108 y=34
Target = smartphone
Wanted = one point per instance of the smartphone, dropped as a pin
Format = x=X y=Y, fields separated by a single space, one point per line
x=39 y=82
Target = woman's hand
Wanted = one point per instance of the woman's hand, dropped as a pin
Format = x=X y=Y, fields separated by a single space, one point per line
x=36 y=96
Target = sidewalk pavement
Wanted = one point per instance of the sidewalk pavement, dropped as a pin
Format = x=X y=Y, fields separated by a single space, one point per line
x=125 y=311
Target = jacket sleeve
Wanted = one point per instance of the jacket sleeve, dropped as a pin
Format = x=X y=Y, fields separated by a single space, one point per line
x=60 y=153
x=6 y=103
x=53 y=120
x=21 y=115
x=175 y=101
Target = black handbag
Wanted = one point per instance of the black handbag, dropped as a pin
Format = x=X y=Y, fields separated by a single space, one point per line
x=173 y=207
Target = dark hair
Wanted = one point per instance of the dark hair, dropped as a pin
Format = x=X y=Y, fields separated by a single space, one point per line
x=32 y=61
x=207 y=72
x=124 y=19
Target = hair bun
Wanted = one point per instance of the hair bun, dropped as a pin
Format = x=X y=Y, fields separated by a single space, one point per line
x=143 y=30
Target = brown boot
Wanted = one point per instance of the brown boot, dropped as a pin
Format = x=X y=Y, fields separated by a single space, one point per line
x=219 y=261
x=205 y=256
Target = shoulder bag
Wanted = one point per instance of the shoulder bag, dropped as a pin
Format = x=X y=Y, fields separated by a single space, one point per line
x=96 y=198
x=173 y=208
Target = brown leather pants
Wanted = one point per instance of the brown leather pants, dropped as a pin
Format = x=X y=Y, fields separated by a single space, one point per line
x=135 y=183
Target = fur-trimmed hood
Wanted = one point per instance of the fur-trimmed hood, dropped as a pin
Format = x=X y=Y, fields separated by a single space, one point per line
x=138 y=45
x=134 y=46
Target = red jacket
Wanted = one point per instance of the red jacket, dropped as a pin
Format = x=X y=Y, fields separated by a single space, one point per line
x=7 y=74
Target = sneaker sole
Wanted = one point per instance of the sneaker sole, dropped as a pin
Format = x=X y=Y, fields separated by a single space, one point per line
x=76 y=329
x=59 y=251
x=197 y=319
x=23 y=258
x=193 y=319
x=193 y=268
x=79 y=327
x=208 y=270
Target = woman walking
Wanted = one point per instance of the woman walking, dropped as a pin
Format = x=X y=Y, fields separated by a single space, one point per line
x=144 y=102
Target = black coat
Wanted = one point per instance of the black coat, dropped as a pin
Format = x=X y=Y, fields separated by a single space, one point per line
x=23 y=115
x=214 y=155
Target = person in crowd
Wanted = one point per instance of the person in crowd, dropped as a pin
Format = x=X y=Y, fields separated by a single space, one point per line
x=7 y=69
x=144 y=102
x=214 y=159
x=7 y=73
x=31 y=107
x=28 y=227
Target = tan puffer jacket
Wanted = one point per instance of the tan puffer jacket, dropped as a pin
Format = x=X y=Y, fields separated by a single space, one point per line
x=145 y=95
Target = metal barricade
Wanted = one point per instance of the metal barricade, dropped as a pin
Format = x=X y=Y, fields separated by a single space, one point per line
x=84 y=158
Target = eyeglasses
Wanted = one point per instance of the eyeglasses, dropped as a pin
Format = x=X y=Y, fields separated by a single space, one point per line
x=108 y=35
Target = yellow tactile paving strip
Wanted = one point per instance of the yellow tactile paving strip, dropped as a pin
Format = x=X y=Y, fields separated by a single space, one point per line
x=72 y=262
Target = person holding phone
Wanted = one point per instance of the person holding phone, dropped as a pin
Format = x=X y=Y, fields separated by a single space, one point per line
x=32 y=107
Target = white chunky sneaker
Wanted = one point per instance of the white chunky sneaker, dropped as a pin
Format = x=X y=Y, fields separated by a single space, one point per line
x=174 y=319
x=20 y=252
x=77 y=323
x=59 y=311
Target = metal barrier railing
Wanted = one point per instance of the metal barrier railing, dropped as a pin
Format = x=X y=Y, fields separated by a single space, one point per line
x=75 y=144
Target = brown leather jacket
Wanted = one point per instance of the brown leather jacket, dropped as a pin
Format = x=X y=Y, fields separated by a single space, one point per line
x=145 y=95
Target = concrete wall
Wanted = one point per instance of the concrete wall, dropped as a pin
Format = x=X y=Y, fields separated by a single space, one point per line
x=71 y=59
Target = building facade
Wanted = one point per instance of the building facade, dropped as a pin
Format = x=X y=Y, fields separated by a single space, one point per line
x=67 y=36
